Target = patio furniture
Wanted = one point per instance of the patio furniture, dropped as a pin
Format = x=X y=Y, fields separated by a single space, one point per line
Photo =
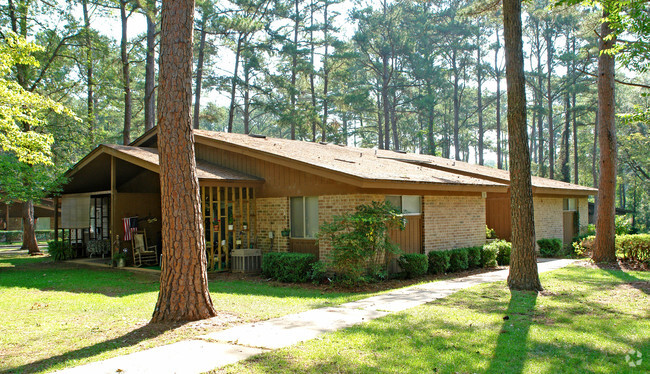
x=143 y=253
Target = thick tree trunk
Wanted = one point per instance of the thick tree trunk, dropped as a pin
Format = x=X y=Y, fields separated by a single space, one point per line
x=604 y=248
x=150 y=69
x=126 y=80
x=29 y=232
x=523 y=266
x=199 y=79
x=184 y=294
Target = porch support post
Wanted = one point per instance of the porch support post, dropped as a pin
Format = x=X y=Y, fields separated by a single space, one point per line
x=56 y=218
x=113 y=231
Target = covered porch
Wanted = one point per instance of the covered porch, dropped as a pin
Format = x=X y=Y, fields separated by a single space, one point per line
x=114 y=192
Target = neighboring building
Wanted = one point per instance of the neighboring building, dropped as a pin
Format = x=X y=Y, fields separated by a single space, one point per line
x=11 y=215
x=255 y=189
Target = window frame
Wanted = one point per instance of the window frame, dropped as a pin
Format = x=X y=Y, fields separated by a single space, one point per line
x=401 y=204
x=304 y=218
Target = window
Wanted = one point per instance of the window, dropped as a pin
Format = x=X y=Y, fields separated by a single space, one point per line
x=304 y=216
x=406 y=204
x=570 y=204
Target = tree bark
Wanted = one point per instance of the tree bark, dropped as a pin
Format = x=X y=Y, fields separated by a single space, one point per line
x=233 y=87
x=326 y=72
x=199 y=78
x=90 y=101
x=523 y=266
x=497 y=73
x=150 y=69
x=549 y=96
x=573 y=115
x=604 y=245
x=454 y=69
x=566 y=130
x=294 y=69
x=479 y=98
x=126 y=80
x=29 y=233
x=184 y=294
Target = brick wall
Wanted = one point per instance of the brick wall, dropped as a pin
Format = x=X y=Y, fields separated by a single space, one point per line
x=336 y=205
x=272 y=215
x=548 y=217
x=453 y=222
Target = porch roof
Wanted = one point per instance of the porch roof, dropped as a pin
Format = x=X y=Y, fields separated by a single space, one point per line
x=92 y=173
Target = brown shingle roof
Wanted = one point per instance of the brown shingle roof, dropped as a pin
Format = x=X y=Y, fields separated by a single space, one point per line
x=494 y=174
x=205 y=170
x=355 y=162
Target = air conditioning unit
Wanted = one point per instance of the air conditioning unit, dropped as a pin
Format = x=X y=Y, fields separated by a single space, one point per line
x=246 y=260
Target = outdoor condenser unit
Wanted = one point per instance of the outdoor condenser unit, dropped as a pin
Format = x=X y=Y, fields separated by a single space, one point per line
x=246 y=260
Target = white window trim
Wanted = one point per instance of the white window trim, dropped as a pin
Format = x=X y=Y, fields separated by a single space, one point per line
x=304 y=218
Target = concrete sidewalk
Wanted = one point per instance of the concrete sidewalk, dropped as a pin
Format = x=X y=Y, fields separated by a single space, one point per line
x=221 y=348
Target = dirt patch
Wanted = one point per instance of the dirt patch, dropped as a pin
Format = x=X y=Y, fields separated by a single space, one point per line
x=625 y=265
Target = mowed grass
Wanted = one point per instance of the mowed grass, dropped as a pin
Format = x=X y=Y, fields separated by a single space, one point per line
x=585 y=321
x=57 y=315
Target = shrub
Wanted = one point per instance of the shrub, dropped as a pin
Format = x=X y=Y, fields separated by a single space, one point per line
x=634 y=247
x=583 y=244
x=490 y=233
x=318 y=272
x=60 y=250
x=438 y=262
x=489 y=256
x=360 y=242
x=458 y=260
x=474 y=257
x=12 y=236
x=622 y=224
x=550 y=247
x=287 y=266
x=502 y=249
x=413 y=264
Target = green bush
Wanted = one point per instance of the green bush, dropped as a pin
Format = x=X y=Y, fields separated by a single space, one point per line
x=458 y=260
x=13 y=236
x=287 y=266
x=502 y=248
x=550 y=247
x=634 y=247
x=489 y=256
x=60 y=250
x=318 y=272
x=490 y=233
x=413 y=264
x=474 y=257
x=360 y=242
x=438 y=262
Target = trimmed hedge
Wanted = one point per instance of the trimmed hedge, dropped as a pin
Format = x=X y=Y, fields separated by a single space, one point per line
x=438 y=262
x=489 y=256
x=13 y=236
x=60 y=250
x=287 y=266
x=550 y=247
x=474 y=257
x=634 y=247
x=503 y=249
x=413 y=264
x=458 y=260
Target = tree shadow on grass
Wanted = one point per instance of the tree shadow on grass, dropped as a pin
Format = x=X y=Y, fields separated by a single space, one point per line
x=512 y=348
x=132 y=338
x=615 y=270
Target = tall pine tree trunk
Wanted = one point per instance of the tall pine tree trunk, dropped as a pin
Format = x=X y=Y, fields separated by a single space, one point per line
x=184 y=294
x=199 y=76
x=479 y=98
x=549 y=98
x=233 y=87
x=454 y=67
x=150 y=69
x=126 y=79
x=523 y=266
x=90 y=109
x=604 y=248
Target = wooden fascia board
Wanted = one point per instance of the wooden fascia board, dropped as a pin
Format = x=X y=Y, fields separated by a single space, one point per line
x=144 y=137
x=283 y=161
x=134 y=160
x=537 y=191
x=229 y=183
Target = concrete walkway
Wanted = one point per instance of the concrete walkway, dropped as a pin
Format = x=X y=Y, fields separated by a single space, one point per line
x=225 y=347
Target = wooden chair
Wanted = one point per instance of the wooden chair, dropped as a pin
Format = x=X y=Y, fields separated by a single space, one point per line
x=143 y=253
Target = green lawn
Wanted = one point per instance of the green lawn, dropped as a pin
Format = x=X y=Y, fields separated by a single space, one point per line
x=585 y=321
x=57 y=315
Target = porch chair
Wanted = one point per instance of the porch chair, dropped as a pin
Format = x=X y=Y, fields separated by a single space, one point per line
x=143 y=253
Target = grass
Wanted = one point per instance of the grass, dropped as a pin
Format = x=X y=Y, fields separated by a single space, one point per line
x=58 y=315
x=585 y=321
